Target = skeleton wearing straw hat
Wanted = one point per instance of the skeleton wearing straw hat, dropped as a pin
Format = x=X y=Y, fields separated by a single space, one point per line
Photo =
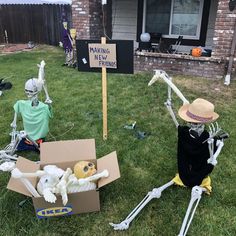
x=197 y=152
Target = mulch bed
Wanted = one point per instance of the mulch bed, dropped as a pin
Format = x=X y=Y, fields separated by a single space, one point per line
x=11 y=48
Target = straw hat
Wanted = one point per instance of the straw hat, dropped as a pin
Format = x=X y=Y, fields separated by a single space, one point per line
x=199 y=111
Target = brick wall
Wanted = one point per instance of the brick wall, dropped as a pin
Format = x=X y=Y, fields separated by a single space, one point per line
x=181 y=64
x=87 y=18
x=224 y=29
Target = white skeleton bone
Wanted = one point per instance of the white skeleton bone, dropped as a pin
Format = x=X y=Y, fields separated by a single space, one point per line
x=195 y=197
x=213 y=158
x=16 y=173
x=168 y=80
x=42 y=81
x=61 y=186
x=103 y=174
x=84 y=184
x=7 y=154
x=73 y=185
x=155 y=193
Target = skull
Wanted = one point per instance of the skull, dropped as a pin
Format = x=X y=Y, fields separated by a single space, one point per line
x=31 y=88
x=196 y=129
x=84 y=169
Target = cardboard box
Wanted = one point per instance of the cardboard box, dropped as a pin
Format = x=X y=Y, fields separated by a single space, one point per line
x=65 y=154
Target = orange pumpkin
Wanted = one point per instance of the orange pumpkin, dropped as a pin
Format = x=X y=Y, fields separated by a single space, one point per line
x=196 y=52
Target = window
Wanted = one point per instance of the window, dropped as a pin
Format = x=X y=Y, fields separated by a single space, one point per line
x=173 y=18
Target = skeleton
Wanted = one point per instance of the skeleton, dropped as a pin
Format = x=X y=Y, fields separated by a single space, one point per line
x=213 y=146
x=32 y=88
x=54 y=180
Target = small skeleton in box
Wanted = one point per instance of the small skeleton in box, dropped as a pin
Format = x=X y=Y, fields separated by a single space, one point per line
x=35 y=116
x=54 y=181
x=197 y=152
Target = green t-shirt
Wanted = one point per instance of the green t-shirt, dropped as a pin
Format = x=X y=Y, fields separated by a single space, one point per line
x=35 y=118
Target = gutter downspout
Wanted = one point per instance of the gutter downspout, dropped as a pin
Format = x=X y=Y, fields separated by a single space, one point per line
x=231 y=58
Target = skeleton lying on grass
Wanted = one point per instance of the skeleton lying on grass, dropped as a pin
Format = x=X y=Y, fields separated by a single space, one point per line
x=55 y=181
x=197 y=152
x=35 y=116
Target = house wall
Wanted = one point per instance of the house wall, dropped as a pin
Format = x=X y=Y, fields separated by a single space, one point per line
x=87 y=19
x=124 y=21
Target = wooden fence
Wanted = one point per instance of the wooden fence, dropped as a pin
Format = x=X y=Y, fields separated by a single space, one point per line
x=38 y=23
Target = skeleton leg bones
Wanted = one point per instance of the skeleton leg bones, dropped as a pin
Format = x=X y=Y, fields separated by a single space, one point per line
x=195 y=199
x=155 y=193
x=7 y=156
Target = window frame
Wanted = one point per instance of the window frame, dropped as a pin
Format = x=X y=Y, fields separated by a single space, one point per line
x=171 y=38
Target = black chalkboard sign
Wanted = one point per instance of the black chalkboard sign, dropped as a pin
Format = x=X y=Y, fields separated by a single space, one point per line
x=124 y=56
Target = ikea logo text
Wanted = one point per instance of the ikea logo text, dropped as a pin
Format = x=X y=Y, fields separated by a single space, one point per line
x=54 y=211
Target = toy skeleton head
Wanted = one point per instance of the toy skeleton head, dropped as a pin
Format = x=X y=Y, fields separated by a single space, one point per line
x=84 y=169
x=64 y=24
x=31 y=88
x=196 y=129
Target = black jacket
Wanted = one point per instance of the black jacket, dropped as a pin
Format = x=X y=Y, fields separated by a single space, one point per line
x=192 y=157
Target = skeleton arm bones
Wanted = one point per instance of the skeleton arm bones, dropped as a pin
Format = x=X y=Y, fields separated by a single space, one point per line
x=15 y=138
x=168 y=80
x=215 y=130
x=42 y=81
x=213 y=157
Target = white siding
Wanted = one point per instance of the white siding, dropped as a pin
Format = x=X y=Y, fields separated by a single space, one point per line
x=124 y=19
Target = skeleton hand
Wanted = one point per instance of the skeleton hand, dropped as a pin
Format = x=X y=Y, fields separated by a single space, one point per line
x=214 y=130
x=13 y=125
x=7 y=166
x=212 y=160
x=121 y=226
x=49 y=196
x=48 y=101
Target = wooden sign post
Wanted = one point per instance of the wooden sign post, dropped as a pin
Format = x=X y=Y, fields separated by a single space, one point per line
x=103 y=55
x=104 y=96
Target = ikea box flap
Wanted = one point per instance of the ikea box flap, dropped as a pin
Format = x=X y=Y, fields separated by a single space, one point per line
x=110 y=163
x=66 y=151
x=24 y=165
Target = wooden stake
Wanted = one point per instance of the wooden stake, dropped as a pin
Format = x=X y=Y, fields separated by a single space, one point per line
x=104 y=96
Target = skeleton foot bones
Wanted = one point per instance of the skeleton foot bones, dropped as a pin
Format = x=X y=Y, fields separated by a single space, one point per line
x=54 y=180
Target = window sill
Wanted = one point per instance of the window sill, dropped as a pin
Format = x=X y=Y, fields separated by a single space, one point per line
x=178 y=56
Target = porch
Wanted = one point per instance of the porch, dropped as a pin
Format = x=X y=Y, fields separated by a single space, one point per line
x=208 y=24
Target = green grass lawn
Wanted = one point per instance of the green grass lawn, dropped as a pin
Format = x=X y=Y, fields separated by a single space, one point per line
x=144 y=164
